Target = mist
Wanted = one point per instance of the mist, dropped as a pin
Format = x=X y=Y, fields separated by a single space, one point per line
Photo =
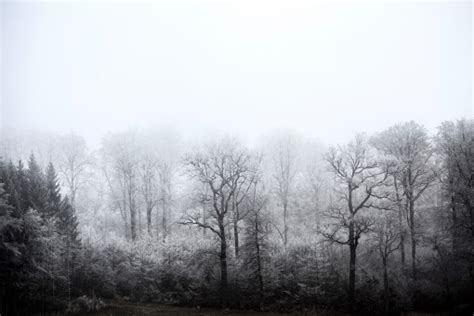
x=323 y=69
x=232 y=157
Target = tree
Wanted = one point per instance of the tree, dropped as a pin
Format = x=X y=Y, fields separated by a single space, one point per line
x=357 y=177
x=220 y=167
x=53 y=194
x=10 y=252
x=386 y=241
x=284 y=173
x=241 y=195
x=149 y=188
x=256 y=244
x=455 y=148
x=73 y=161
x=68 y=228
x=37 y=194
x=408 y=146
x=120 y=152
x=455 y=145
x=165 y=176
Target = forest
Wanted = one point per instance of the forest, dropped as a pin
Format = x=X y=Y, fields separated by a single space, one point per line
x=381 y=225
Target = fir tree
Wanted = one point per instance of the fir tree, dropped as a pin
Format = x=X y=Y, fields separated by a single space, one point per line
x=36 y=186
x=10 y=254
x=53 y=195
x=21 y=185
x=67 y=222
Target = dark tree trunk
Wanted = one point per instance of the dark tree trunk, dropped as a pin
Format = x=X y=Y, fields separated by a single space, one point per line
x=413 y=239
x=455 y=224
x=223 y=262
x=402 y=236
x=236 y=215
x=236 y=237
x=352 y=265
x=400 y=223
x=385 y=286
x=148 y=219
x=285 y=224
x=133 y=222
x=259 y=265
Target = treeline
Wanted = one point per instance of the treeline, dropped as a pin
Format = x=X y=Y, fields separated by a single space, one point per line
x=380 y=225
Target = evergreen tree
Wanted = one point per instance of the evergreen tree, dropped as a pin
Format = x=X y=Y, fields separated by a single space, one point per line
x=37 y=194
x=67 y=225
x=15 y=185
x=53 y=195
x=21 y=187
x=67 y=222
x=10 y=254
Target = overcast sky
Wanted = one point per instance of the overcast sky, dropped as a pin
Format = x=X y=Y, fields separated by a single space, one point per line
x=323 y=69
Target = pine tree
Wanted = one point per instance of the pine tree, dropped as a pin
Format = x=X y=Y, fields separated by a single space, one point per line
x=67 y=221
x=21 y=187
x=15 y=185
x=10 y=254
x=36 y=188
x=53 y=195
x=67 y=224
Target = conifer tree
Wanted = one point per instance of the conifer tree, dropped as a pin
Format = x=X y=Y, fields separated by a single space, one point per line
x=67 y=225
x=67 y=222
x=21 y=187
x=37 y=194
x=10 y=253
x=53 y=197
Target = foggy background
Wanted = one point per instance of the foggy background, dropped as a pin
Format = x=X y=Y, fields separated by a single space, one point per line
x=322 y=69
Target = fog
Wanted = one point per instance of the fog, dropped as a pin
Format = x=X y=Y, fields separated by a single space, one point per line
x=323 y=69
x=207 y=157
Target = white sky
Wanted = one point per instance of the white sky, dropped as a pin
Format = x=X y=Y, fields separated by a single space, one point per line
x=323 y=69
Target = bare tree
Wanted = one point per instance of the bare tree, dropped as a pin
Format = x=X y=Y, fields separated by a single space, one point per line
x=357 y=178
x=386 y=241
x=409 y=148
x=120 y=152
x=148 y=174
x=455 y=144
x=255 y=246
x=240 y=196
x=284 y=173
x=221 y=168
x=73 y=163
x=165 y=175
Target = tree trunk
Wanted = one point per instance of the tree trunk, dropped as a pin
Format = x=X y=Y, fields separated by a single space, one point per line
x=285 y=224
x=385 y=286
x=140 y=226
x=259 y=265
x=236 y=237
x=455 y=224
x=352 y=266
x=413 y=239
x=164 y=221
x=235 y=213
x=148 y=219
x=133 y=221
x=204 y=219
x=402 y=235
x=223 y=262
x=401 y=230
